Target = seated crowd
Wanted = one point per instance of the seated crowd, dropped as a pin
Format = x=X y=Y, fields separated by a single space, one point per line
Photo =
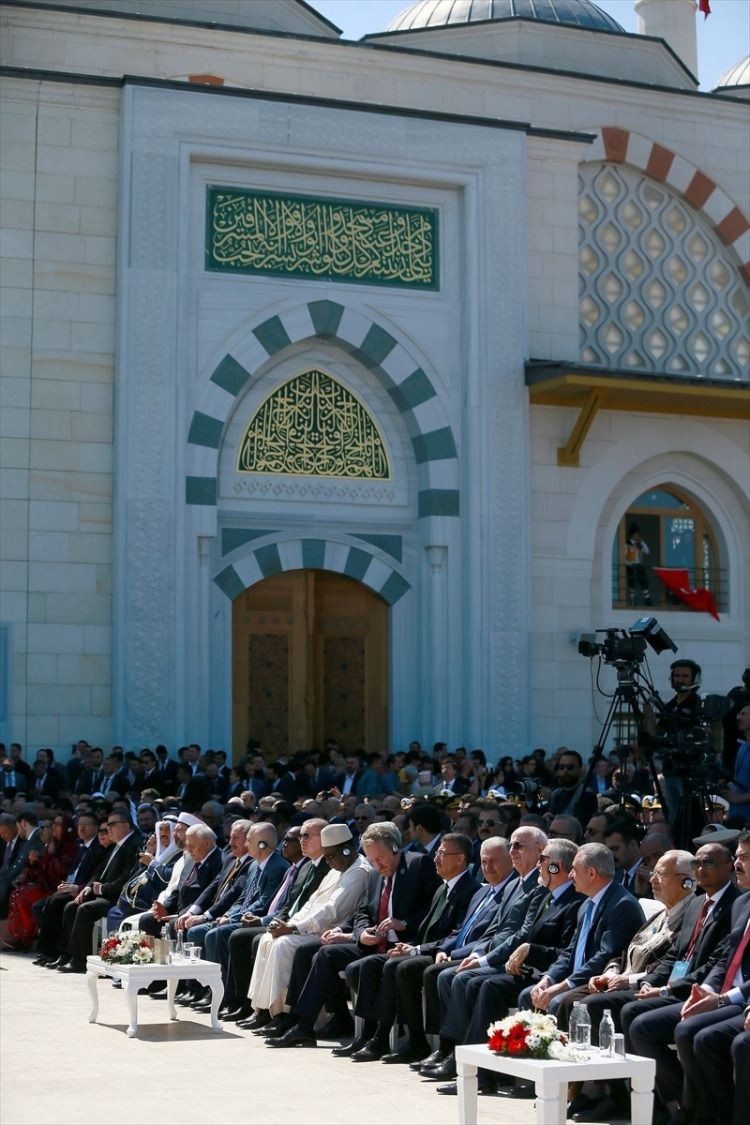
x=400 y=905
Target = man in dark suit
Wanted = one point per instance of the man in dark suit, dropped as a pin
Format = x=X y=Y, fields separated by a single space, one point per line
x=91 y=776
x=399 y=892
x=605 y=925
x=346 y=782
x=200 y=845
x=48 y=779
x=307 y=871
x=98 y=895
x=721 y=989
x=450 y=779
x=520 y=903
x=13 y=860
x=87 y=865
x=375 y=975
x=263 y=880
x=411 y=974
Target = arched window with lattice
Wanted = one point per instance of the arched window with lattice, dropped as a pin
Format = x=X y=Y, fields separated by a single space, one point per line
x=664 y=527
x=659 y=292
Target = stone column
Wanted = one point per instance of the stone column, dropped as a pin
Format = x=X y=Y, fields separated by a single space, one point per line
x=435 y=698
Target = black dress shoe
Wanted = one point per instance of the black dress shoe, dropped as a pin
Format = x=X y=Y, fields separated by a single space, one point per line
x=605 y=1109
x=259 y=1019
x=161 y=994
x=408 y=1055
x=349 y=1049
x=431 y=1060
x=448 y=1088
x=373 y=1050
x=337 y=1027
x=526 y=1090
x=295 y=1037
x=202 y=1005
x=75 y=965
x=58 y=961
x=277 y=1027
x=43 y=961
x=242 y=1013
x=580 y=1103
x=443 y=1072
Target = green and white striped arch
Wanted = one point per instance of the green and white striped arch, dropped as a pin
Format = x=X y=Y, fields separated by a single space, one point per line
x=408 y=385
x=252 y=563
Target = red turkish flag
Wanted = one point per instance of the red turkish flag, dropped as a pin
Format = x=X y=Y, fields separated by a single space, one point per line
x=705 y=7
x=676 y=579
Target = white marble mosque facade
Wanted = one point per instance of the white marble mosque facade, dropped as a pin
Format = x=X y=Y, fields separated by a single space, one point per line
x=116 y=613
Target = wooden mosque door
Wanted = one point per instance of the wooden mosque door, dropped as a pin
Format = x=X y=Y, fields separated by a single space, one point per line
x=309 y=662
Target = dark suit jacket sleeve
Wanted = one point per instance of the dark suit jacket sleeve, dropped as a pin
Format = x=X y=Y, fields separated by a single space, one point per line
x=516 y=927
x=544 y=945
x=270 y=880
x=618 y=919
x=413 y=894
x=715 y=977
x=123 y=864
x=455 y=909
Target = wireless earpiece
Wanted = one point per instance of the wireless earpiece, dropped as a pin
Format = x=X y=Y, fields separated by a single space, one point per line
x=553 y=869
x=262 y=844
x=688 y=883
x=345 y=851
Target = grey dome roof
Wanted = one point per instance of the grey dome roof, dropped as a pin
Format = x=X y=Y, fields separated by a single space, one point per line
x=737 y=75
x=446 y=13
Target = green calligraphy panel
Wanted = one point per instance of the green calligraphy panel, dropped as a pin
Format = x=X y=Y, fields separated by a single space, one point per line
x=324 y=239
x=313 y=426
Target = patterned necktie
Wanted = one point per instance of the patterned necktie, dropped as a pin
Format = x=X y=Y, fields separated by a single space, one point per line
x=580 y=953
x=470 y=922
x=278 y=898
x=252 y=888
x=697 y=928
x=734 y=964
x=231 y=874
x=436 y=911
x=385 y=898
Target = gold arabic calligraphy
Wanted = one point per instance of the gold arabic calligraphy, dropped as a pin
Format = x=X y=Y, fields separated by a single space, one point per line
x=313 y=426
x=317 y=238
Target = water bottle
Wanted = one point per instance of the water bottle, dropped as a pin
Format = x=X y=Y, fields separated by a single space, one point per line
x=607 y=1033
x=180 y=952
x=583 y=1029
x=575 y=1012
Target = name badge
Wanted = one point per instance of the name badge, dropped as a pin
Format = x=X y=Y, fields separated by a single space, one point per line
x=680 y=970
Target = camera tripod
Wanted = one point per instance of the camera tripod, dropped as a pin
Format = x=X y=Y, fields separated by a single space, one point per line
x=625 y=710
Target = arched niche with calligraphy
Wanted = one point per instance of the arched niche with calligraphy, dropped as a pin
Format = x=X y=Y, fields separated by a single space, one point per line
x=314 y=426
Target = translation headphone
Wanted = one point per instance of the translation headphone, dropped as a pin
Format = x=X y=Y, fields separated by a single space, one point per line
x=688 y=883
x=346 y=851
x=553 y=868
x=395 y=849
x=262 y=844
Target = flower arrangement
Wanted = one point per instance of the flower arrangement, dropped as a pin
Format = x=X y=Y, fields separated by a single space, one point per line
x=131 y=947
x=529 y=1035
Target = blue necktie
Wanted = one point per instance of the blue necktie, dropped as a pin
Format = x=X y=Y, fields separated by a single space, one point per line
x=580 y=953
x=466 y=928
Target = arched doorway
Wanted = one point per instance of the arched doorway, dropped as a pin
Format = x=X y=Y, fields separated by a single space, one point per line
x=309 y=662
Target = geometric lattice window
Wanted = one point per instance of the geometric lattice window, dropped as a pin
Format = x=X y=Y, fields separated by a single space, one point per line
x=658 y=289
x=313 y=426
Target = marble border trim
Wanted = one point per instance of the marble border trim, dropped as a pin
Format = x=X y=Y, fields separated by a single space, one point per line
x=375 y=348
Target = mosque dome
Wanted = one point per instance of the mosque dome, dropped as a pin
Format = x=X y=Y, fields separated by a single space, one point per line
x=451 y=13
x=738 y=76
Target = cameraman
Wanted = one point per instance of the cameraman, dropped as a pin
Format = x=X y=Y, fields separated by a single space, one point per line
x=683 y=711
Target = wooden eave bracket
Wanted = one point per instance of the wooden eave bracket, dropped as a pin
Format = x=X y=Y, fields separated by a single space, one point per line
x=569 y=454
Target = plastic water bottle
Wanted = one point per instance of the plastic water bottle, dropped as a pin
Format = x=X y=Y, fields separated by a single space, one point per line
x=583 y=1029
x=180 y=952
x=607 y=1033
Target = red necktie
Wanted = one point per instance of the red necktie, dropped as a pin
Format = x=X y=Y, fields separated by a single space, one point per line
x=385 y=898
x=698 y=927
x=736 y=961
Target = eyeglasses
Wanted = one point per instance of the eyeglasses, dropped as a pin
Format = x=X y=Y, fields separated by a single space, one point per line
x=308 y=835
x=707 y=862
x=487 y=821
x=440 y=852
x=290 y=839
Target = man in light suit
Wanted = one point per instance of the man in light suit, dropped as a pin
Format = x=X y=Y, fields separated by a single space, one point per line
x=721 y=995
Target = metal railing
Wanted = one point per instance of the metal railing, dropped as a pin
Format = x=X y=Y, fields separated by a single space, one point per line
x=629 y=592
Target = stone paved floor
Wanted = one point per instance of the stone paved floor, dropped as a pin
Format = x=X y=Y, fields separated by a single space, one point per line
x=56 y=1067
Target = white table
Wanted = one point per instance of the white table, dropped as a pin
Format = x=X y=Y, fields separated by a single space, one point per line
x=134 y=977
x=551 y=1080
